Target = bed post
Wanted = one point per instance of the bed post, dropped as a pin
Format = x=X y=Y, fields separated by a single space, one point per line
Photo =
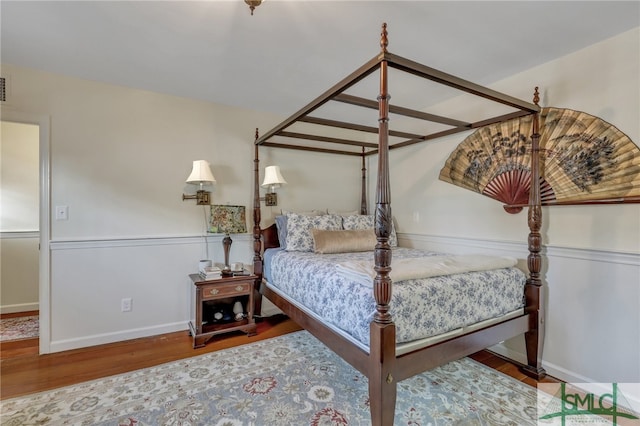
x=382 y=384
x=257 y=243
x=363 y=196
x=534 y=292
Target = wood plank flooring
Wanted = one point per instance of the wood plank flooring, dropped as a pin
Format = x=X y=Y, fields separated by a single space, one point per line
x=24 y=371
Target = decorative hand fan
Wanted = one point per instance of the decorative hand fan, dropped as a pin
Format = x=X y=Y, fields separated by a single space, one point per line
x=583 y=160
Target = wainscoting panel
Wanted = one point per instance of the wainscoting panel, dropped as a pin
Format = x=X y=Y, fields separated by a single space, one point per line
x=19 y=271
x=90 y=278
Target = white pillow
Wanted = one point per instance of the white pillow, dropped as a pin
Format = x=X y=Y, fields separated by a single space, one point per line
x=299 y=236
x=368 y=222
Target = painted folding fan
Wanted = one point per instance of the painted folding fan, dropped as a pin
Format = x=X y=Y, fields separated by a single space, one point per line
x=583 y=160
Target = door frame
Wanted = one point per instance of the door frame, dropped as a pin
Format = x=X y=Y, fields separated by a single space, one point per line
x=44 y=262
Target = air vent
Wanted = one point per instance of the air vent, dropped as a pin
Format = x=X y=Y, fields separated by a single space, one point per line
x=3 y=89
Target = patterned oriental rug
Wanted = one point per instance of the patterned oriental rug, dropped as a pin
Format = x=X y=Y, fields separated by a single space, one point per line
x=288 y=380
x=19 y=328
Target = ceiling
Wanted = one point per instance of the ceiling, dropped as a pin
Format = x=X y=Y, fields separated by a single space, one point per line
x=289 y=52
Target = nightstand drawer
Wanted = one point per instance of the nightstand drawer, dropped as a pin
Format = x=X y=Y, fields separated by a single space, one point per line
x=214 y=291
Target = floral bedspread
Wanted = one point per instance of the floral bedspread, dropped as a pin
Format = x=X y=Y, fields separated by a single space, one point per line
x=420 y=308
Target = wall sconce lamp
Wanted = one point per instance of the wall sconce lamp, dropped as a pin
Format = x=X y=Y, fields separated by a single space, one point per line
x=200 y=174
x=272 y=179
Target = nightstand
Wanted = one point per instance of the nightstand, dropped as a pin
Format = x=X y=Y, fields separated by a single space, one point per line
x=207 y=295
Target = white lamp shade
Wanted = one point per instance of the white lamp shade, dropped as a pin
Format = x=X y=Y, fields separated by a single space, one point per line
x=273 y=177
x=201 y=173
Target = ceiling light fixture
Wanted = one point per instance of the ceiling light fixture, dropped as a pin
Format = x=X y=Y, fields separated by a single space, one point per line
x=253 y=4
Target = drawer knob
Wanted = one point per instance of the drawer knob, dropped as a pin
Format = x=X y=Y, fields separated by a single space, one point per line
x=214 y=291
x=239 y=288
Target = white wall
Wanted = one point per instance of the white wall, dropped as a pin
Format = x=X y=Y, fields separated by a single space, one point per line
x=89 y=279
x=592 y=266
x=18 y=177
x=328 y=181
x=119 y=158
x=601 y=80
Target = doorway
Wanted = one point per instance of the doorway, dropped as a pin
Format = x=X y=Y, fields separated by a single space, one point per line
x=19 y=217
x=25 y=220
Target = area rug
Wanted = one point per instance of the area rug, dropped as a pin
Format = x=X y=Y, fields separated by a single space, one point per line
x=19 y=328
x=288 y=380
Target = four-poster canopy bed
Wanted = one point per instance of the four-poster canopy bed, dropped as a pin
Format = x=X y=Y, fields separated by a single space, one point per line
x=379 y=355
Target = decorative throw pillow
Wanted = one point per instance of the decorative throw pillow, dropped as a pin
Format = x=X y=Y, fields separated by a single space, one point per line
x=299 y=237
x=281 y=226
x=343 y=241
x=367 y=222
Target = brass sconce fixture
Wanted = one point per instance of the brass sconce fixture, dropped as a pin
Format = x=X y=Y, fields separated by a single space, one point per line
x=272 y=179
x=253 y=4
x=201 y=175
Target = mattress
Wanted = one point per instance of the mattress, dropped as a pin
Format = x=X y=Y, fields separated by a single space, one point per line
x=420 y=308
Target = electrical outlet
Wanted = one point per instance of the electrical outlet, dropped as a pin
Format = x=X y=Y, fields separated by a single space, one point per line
x=126 y=304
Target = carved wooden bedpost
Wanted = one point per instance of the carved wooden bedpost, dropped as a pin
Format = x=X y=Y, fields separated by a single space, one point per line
x=534 y=292
x=363 y=196
x=382 y=384
x=257 y=243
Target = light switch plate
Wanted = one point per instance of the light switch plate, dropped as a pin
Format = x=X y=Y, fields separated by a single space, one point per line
x=62 y=212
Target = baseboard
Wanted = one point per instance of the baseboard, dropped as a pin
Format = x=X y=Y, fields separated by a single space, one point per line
x=551 y=369
x=516 y=356
x=631 y=390
x=269 y=309
x=20 y=307
x=101 y=339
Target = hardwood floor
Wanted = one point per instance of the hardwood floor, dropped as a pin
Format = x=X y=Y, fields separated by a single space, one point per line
x=23 y=371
